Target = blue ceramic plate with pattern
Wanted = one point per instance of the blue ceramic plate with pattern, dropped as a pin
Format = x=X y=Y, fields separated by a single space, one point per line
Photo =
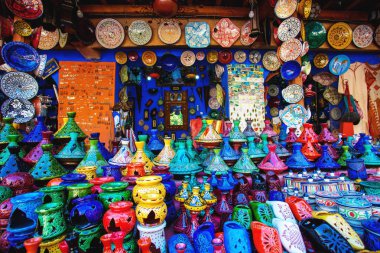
x=290 y=70
x=339 y=64
x=197 y=34
x=294 y=115
x=19 y=85
x=20 y=56
x=169 y=62
x=21 y=110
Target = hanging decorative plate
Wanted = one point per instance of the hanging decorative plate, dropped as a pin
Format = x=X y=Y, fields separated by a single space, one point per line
x=225 y=56
x=240 y=56
x=21 y=110
x=273 y=112
x=302 y=31
x=62 y=38
x=169 y=62
x=26 y=9
x=212 y=92
x=288 y=29
x=197 y=34
x=187 y=58
x=48 y=40
x=212 y=56
x=39 y=71
x=315 y=34
x=213 y=103
x=273 y=90
x=140 y=32
x=332 y=96
x=325 y=78
x=339 y=64
x=377 y=35
x=20 y=56
x=335 y=113
x=22 y=28
x=271 y=61
x=169 y=32
x=245 y=31
x=339 y=35
x=293 y=115
x=225 y=32
x=19 y=85
x=121 y=57
x=133 y=56
x=254 y=56
x=200 y=56
x=305 y=48
x=304 y=8
x=109 y=33
x=293 y=93
x=321 y=60
x=290 y=50
x=149 y=58
x=290 y=70
x=362 y=36
x=285 y=8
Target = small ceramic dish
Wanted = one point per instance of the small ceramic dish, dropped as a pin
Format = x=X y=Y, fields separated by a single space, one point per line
x=326 y=200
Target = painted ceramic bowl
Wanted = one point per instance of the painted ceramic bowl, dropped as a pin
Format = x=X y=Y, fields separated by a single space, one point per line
x=354 y=210
x=375 y=201
x=326 y=200
x=371 y=234
x=371 y=187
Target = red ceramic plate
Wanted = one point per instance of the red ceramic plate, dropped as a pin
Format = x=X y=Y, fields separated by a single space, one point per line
x=26 y=9
x=225 y=56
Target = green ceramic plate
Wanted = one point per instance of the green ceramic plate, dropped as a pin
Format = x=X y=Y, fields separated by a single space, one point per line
x=315 y=34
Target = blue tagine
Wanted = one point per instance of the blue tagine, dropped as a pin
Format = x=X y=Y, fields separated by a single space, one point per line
x=227 y=153
x=35 y=136
x=326 y=162
x=297 y=160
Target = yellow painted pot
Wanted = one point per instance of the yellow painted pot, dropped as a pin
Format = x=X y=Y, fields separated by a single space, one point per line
x=151 y=210
x=148 y=185
x=89 y=171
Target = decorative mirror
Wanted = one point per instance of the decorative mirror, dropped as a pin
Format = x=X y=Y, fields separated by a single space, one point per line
x=176 y=110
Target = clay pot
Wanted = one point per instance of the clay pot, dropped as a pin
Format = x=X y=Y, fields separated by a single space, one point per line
x=120 y=217
x=32 y=244
x=147 y=185
x=151 y=210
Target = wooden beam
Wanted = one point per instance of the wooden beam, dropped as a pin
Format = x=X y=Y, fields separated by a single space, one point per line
x=343 y=15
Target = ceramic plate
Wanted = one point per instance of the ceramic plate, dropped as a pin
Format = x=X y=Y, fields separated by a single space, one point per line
x=169 y=62
x=325 y=78
x=339 y=35
x=321 y=60
x=140 y=32
x=133 y=56
x=254 y=56
x=274 y=112
x=294 y=115
x=212 y=56
x=225 y=56
x=21 y=110
x=26 y=9
x=288 y=29
x=200 y=56
x=290 y=70
x=169 y=32
x=109 y=33
x=271 y=61
x=335 y=113
x=305 y=48
x=240 y=56
x=290 y=50
x=339 y=64
x=121 y=57
x=315 y=34
x=285 y=8
x=149 y=58
x=19 y=85
x=332 y=96
x=273 y=90
x=197 y=34
x=213 y=103
x=225 y=32
x=22 y=28
x=377 y=35
x=187 y=58
x=48 y=40
x=362 y=36
x=245 y=31
x=20 y=56
x=304 y=8
x=293 y=93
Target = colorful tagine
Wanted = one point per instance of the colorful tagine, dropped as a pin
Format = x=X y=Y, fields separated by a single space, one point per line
x=268 y=130
x=93 y=157
x=254 y=152
x=244 y=164
x=123 y=156
x=155 y=145
x=248 y=131
x=237 y=138
x=34 y=155
x=370 y=159
x=35 y=136
x=217 y=164
x=227 y=153
x=144 y=138
x=209 y=138
x=8 y=129
x=272 y=162
x=344 y=156
x=166 y=155
x=307 y=133
x=297 y=160
x=63 y=134
x=72 y=153
x=182 y=163
x=4 y=155
x=309 y=150
x=326 y=161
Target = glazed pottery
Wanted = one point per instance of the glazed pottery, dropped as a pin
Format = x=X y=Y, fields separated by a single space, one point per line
x=182 y=223
x=297 y=160
x=52 y=245
x=356 y=169
x=155 y=145
x=291 y=137
x=70 y=244
x=182 y=163
x=120 y=217
x=144 y=244
x=166 y=155
x=209 y=137
x=106 y=240
x=114 y=192
x=306 y=133
x=211 y=200
x=7 y=130
x=93 y=157
x=236 y=136
x=89 y=240
x=156 y=234
x=73 y=178
x=290 y=235
x=180 y=239
x=262 y=212
x=339 y=224
x=23 y=218
x=151 y=210
x=324 y=237
x=344 y=156
x=89 y=171
x=253 y=151
x=371 y=234
x=195 y=204
x=268 y=130
x=97 y=182
x=309 y=150
x=192 y=152
x=236 y=237
x=227 y=153
x=144 y=138
x=101 y=146
x=4 y=155
x=248 y=131
x=35 y=153
x=354 y=210
x=75 y=191
x=369 y=157
x=47 y=166
x=265 y=238
x=202 y=238
x=217 y=164
x=282 y=211
x=223 y=207
x=326 y=136
x=272 y=162
x=63 y=134
x=300 y=208
x=326 y=200
x=117 y=239
x=141 y=157
x=148 y=185
x=326 y=162
x=5 y=193
x=243 y=215
x=280 y=150
x=53 y=194
x=14 y=163
x=135 y=170
x=112 y=171
x=244 y=164
x=72 y=153
x=86 y=212
x=32 y=244
x=371 y=187
x=130 y=244
x=51 y=222
x=123 y=156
